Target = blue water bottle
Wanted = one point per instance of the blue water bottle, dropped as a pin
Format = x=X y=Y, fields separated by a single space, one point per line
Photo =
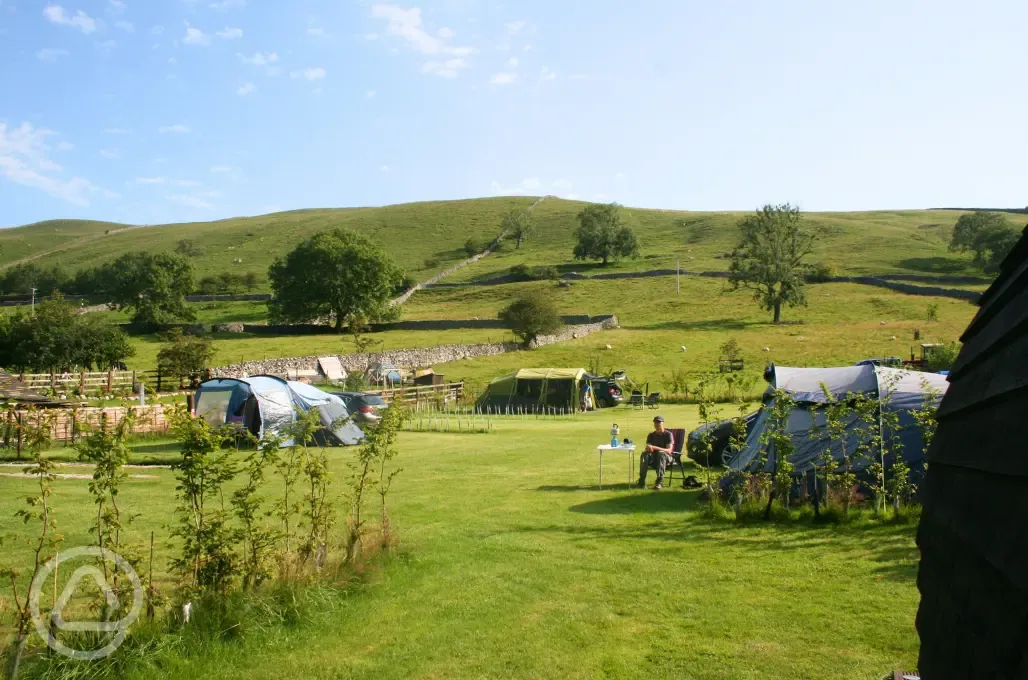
x=614 y=431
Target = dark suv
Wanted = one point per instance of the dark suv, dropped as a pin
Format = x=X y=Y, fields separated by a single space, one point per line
x=365 y=408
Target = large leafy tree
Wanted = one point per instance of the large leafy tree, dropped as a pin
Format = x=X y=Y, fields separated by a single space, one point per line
x=530 y=316
x=185 y=356
x=339 y=274
x=769 y=258
x=22 y=278
x=153 y=285
x=986 y=234
x=58 y=338
x=517 y=224
x=602 y=235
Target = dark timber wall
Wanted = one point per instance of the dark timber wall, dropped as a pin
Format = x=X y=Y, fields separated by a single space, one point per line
x=973 y=577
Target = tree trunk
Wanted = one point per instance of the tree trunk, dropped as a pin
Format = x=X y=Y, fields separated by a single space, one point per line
x=778 y=312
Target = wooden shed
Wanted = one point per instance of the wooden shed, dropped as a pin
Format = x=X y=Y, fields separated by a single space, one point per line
x=973 y=537
x=428 y=377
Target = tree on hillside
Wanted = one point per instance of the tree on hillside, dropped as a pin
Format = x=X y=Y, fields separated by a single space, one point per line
x=153 y=285
x=602 y=235
x=987 y=234
x=185 y=356
x=58 y=338
x=336 y=273
x=530 y=316
x=21 y=279
x=769 y=259
x=517 y=224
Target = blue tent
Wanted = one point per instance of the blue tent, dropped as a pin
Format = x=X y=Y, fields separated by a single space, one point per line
x=268 y=405
x=898 y=390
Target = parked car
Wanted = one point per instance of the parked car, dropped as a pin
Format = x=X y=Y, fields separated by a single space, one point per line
x=720 y=434
x=888 y=362
x=365 y=408
x=606 y=391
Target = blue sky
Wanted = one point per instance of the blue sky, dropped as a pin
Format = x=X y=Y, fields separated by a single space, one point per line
x=150 y=111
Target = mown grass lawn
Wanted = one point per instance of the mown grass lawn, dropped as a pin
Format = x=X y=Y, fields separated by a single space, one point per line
x=513 y=564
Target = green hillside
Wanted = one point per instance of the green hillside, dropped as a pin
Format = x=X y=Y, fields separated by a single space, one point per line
x=425 y=238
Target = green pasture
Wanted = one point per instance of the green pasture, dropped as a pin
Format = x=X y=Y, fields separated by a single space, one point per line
x=513 y=564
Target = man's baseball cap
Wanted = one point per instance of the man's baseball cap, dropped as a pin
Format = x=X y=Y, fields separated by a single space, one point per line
x=658 y=419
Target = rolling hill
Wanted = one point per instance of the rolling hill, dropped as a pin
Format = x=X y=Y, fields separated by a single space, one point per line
x=425 y=238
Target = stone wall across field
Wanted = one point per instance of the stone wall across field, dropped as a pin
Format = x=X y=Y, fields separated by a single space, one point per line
x=410 y=358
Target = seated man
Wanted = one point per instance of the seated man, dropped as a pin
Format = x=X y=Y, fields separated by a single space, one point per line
x=657 y=453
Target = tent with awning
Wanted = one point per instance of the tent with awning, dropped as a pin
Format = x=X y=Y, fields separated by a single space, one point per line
x=537 y=389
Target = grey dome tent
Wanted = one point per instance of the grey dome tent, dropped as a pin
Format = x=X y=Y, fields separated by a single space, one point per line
x=268 y=405
x=900 y=391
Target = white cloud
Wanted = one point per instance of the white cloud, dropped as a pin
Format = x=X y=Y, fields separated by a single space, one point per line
x=220 y=169
x=371 y=36
x=514 y=27
x=106 y=45
x=259 y=58
x=230 y=33
x=406 y=24
x=620 y=176
x=56 y=14
x=385 y=168
x=317 y=31
x=172 y=60
x=190 y=201
x=50 y=54
x=117 y=6
x=157 y=30
x=186 y=183
x=503 y=78
x=148 y=180
x=174 y=129
x=23 y=160
x=529 y=184
x=513 y=62
x=527 y=48
x=546 y=74
x=117 y=131
x=370 y=94
x=227 y=4
x=65 y=146
x=125 y=26
x=316 y=73
x=194 y=36
x=445 y=69
x=246 y=89
x=109 y=153
x=579 y=76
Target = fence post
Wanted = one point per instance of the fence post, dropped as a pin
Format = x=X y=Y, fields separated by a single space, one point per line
x=135 y=385
x=82 y=382
x=53 y=380
x=10 y=426
x=158 y=377
x=189 y=403
x=110 y=380
x=20 y=433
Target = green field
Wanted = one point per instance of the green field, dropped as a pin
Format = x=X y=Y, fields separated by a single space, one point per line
x=513 y=564
x=910 y=241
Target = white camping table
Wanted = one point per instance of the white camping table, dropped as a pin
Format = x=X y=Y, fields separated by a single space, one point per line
x=603 y=448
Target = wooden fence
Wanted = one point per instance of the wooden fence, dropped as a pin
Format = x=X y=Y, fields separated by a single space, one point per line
x=68 y=424
x=109 y=381
x=446 y=393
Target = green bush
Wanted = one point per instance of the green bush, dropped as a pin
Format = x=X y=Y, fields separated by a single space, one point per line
x=546 y=273
x=431 y=263
x=472 y=247
x=521 y=272
x=821 y=272
x=941 y=358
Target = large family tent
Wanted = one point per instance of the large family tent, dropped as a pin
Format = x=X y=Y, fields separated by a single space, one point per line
x=897 y=390
x=268 y=405
x=537 y=389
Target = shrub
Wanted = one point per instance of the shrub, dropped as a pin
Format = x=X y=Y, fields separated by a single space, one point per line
x=431 y=263
x=546 y=273
x=941 y=358
x=821 y=272
x=530 y=316
x=472 y=247
x=521 y=272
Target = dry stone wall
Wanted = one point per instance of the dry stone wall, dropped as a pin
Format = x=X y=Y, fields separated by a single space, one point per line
x=409 y=358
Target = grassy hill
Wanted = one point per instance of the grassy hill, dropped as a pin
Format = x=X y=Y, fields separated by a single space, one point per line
x=425 y=238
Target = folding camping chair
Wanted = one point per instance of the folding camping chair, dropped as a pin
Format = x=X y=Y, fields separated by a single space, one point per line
x=653 y=400
x=677 y=442
x=637 y=399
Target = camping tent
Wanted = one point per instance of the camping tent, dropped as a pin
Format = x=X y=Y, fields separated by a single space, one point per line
x=267 y=405
x=537 y=389
x=899 y=391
